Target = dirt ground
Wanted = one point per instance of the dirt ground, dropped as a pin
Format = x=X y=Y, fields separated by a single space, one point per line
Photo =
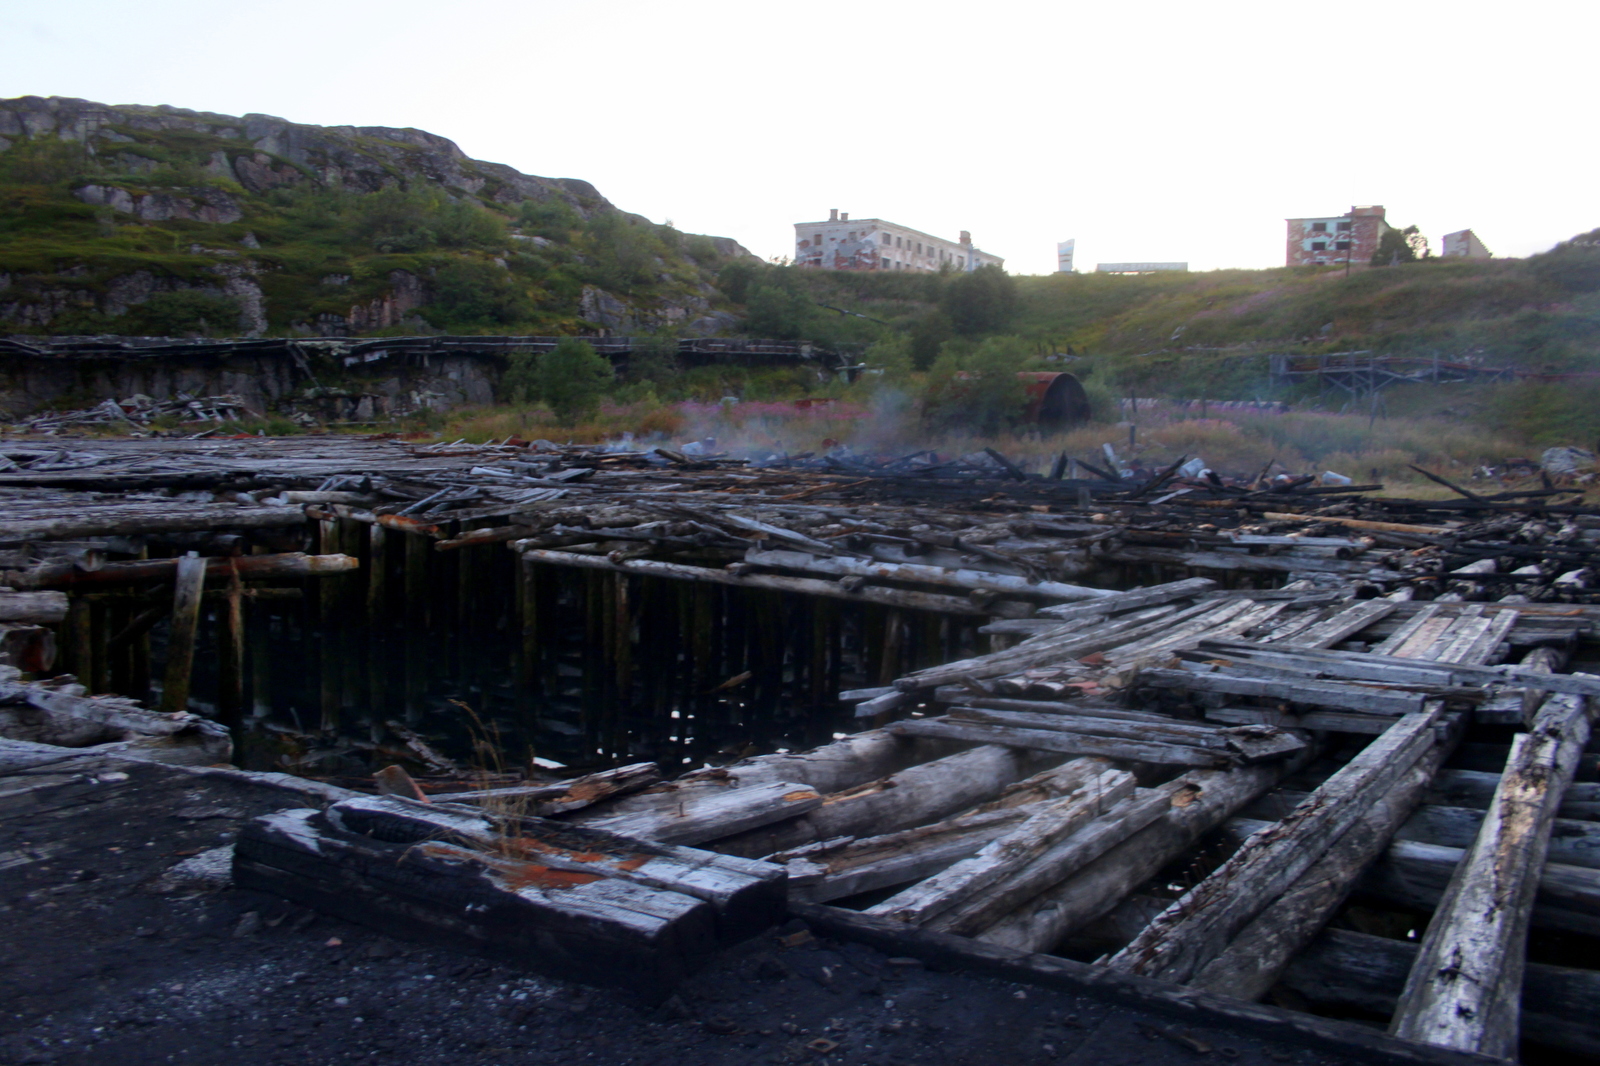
x=110 y=958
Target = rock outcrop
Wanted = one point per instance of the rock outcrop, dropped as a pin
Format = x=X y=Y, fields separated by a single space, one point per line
x=146 y=183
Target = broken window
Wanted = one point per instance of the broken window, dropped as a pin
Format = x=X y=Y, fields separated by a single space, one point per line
x=885 y=241
x=885 y=263
x=1344 y=227
x=1343 y=246
x=817 y=240
x=1319 y=246
x=1319 y=227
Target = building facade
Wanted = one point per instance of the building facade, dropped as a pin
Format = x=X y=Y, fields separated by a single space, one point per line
x=1464 y=244
x=1336 y=239
x=873 y=244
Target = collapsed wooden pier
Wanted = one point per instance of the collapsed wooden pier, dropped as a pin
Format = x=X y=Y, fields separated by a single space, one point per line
x=1176 y=728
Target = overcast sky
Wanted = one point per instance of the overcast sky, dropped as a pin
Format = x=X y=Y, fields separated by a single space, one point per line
x=1150 y=131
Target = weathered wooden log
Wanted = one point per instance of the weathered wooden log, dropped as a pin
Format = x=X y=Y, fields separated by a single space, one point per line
x=1359 y=523
x=1342 y=968
x=1066 y=743
x=575 y=794
x=1051 y=821
x=846 y=866
x=712 y=815
x=1197 y=927
x=1575 y=842
x=1476 y=788
x=912 y=573
x=61 y=716
x=849 y=761
x=132 y=521
x=1128 y=601
x=922 y=601
x=1414 y=875
x=188 y=583
x=1466 y=985
x=39 y=608
x=1019 y=883
x=1196 y=802
x=911 y=797
x=218 y=568
x=1249 y=965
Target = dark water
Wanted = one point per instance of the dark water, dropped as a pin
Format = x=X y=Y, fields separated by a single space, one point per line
x=492 y=668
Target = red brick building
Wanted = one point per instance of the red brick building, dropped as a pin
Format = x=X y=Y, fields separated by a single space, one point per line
x=1336 y=239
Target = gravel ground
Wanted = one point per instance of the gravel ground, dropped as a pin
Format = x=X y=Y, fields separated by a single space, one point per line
x=111 y=957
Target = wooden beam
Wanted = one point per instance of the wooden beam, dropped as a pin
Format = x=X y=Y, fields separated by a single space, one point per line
x=188 y=586
x=1464 y=990
x=1199 y=926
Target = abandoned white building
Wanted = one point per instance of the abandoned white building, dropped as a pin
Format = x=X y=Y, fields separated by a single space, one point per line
x=873 y=244
x=1464 y=244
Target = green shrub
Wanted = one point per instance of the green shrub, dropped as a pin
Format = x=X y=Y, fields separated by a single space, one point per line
x=472 y=294
x=572 y=378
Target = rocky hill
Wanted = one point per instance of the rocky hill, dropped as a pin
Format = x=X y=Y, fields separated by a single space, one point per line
x=161 y=221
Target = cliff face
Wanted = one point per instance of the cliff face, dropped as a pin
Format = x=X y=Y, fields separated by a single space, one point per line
x=129 y=219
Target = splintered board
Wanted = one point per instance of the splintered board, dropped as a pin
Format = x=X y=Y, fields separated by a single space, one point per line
x=572 y=902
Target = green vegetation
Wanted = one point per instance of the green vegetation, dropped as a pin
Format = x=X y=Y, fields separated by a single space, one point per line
x=389 y=227
x=571 y=379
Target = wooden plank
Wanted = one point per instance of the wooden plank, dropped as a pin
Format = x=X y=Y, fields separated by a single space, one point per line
x=1357 y=665
x=1352 y=620
x=1465 y=987
x=572 y=925
x=1407 y=629
x=1050 y=822
x=1332 y=721
x=1171 y=731
x=913 y=573
x=1066 y=743
x=1350 y=697
x=1197 y=927
x=1044 y=649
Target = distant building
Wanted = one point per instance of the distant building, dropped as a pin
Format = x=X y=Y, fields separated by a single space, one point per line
x=1139 y=268
x=1337 y=239
x=1464 y=244
x=873 y=244
x=1064 y=251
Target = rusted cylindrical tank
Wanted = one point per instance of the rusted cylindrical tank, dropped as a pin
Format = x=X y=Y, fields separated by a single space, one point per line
x=1055 y=400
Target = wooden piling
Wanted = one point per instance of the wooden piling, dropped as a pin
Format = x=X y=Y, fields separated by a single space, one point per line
x=188 y=588
x=230 y=653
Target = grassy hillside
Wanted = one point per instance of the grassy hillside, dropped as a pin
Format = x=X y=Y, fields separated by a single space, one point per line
x=142 y=220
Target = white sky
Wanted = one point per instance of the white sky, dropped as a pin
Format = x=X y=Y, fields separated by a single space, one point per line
x=1148 y=131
